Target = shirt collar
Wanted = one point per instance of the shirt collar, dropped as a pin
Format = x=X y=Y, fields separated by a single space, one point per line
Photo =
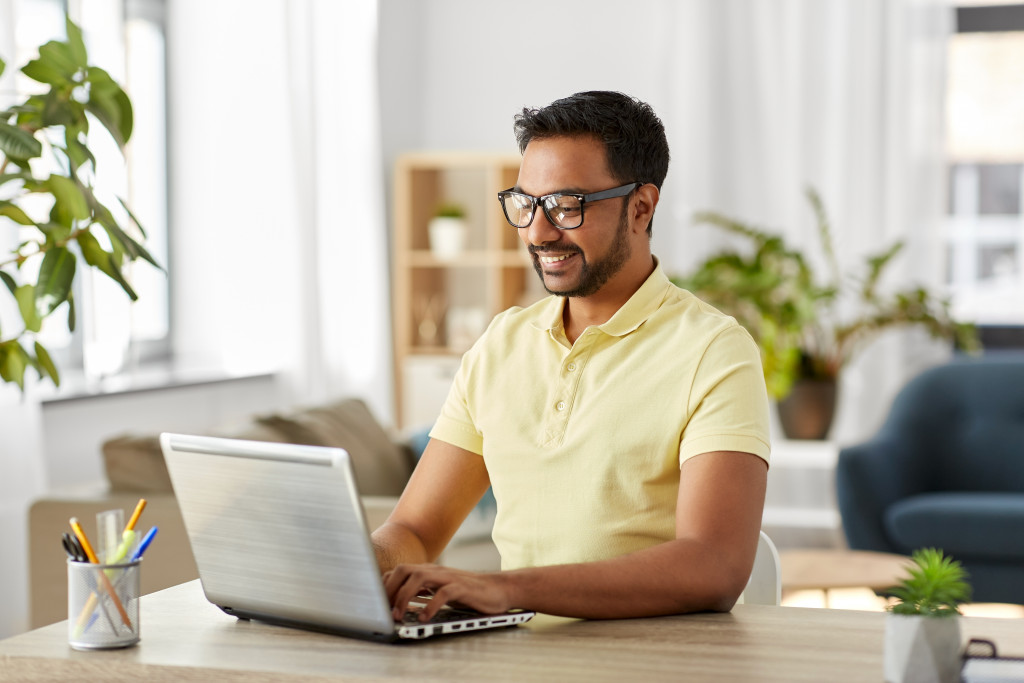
x=631 y=315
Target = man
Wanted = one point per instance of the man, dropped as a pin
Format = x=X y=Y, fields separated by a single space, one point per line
x=621 y=422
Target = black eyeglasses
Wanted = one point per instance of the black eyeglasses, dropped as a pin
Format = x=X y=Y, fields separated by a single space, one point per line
x=564 y=211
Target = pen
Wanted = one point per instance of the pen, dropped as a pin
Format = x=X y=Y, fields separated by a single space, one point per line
x=103 y=577
x=146 y=540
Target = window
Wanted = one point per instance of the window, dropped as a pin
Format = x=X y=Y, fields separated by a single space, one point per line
x=126 y=38
x=985 y=144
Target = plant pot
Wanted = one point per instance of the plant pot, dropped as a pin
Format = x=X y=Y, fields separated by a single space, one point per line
x=447 y=237
x=806 y=413
x=921 y=649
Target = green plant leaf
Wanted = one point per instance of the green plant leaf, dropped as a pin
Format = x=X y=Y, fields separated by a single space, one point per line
x=72 y=313
x=135 y=220
x=58 y=55
x=25 y=295
x=109 y=103
x=108 y=263
x=46 y=364
x=59 y=110
x=78 y=153
x=3 y=65
x=55 y=277
x=13 y=361
x=18 y=143
x=120 y=237
x=71 y=204
x=76 y=46
x=8 y=281
x=14 y=212
x=47 y=70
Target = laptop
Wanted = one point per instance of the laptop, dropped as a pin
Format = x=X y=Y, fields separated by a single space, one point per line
x=279 y=535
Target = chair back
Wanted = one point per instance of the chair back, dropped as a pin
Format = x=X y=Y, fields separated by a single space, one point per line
x=765 y=584
x=965 y=419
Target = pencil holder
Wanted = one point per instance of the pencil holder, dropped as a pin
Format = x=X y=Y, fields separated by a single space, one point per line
x=103 y=605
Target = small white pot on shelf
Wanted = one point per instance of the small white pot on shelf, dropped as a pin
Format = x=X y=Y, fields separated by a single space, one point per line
x=447 y=237
x=921 y=649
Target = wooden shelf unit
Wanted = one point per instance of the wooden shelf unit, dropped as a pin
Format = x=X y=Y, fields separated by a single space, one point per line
x=491 y=274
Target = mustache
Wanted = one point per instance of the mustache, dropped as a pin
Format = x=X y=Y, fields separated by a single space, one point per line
x=541 y=249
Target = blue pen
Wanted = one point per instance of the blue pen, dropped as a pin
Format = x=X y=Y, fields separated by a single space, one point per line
x=146 y=540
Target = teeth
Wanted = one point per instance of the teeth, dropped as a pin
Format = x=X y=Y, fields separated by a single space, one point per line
x=553 y=259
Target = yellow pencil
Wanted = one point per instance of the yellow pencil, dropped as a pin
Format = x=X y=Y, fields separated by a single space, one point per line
x=130 y=526
x=103 y=577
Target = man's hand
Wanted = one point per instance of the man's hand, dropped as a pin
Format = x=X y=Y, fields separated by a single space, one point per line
x=486 y=593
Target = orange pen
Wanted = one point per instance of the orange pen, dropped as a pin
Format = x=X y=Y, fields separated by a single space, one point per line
x=80 y=535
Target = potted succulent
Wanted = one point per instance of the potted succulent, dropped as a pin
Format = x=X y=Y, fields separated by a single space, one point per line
x=48 y=200
x=793 y=314
x=922 y=628
x=447 y=231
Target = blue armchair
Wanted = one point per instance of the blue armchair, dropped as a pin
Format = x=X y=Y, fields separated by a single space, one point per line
x=946 y=470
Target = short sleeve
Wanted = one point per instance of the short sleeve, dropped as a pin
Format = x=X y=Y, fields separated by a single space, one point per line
x=728 y=400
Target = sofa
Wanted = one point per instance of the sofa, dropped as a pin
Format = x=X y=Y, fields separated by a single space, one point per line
x=946 y=470
x=134 y=467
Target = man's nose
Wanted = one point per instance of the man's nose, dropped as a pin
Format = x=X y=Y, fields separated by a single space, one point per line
x=541 y=231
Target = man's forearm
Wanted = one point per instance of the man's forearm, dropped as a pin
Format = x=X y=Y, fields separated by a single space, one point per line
x=394 y=544
x=647 y=583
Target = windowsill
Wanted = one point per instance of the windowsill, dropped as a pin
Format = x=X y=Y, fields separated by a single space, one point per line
x=147 y=377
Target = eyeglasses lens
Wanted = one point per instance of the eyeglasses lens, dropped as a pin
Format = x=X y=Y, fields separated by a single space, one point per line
x=518 y=208
x=564 y=210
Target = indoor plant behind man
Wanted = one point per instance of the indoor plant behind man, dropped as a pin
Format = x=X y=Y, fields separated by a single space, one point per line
x=622 y=423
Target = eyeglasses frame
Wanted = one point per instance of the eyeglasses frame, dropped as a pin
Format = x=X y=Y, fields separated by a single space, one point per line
x=620 y=191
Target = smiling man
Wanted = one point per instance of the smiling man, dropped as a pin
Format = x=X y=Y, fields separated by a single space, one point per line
x=621 y=422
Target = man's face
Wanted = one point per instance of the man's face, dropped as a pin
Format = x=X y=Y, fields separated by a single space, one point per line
x=579 y=262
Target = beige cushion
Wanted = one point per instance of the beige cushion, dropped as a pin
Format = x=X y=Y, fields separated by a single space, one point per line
x=135 y=462
x=381 y=466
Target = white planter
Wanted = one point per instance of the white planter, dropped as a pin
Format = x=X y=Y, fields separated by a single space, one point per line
x=921 y=649
x=447 y=237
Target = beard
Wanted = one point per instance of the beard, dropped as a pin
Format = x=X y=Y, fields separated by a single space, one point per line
x=594 y=275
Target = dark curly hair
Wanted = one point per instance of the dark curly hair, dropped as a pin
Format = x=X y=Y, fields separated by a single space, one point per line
x=633 y=135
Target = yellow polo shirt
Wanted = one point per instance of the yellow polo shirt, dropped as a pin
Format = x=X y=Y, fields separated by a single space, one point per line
x=583 y=442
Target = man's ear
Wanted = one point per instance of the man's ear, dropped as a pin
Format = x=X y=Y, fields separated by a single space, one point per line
x=645 y=200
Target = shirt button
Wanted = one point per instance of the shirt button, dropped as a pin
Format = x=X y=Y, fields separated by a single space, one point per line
x=560 y=406
x=571 y=367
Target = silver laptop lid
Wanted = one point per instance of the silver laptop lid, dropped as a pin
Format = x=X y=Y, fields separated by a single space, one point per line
x=278 y=529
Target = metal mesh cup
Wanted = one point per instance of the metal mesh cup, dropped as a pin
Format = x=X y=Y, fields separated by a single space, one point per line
x=103 y=605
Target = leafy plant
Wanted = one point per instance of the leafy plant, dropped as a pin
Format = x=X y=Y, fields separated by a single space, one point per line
x=450 y=210
x=47 y=175
x=935 y=586
x=793 y=315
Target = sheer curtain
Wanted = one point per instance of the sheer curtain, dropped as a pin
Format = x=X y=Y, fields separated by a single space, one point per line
x=769 y=97
x=279 y=243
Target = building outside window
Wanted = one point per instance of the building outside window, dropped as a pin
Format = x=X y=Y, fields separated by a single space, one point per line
x=985 y=144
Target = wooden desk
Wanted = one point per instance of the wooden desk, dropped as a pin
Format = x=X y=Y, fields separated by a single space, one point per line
x=184 y=638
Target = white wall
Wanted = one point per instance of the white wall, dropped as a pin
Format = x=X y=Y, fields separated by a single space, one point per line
x=455 y=72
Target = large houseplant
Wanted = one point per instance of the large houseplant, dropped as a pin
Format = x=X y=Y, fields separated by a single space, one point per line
x=794 y=315
x=922 y=628
x=48 y=199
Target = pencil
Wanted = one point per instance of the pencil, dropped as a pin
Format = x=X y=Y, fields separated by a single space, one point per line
x=103 y=577
x=130 y=526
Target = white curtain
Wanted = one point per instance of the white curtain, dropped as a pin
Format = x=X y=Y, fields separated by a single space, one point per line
x=770 y=96
x=278 y=227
